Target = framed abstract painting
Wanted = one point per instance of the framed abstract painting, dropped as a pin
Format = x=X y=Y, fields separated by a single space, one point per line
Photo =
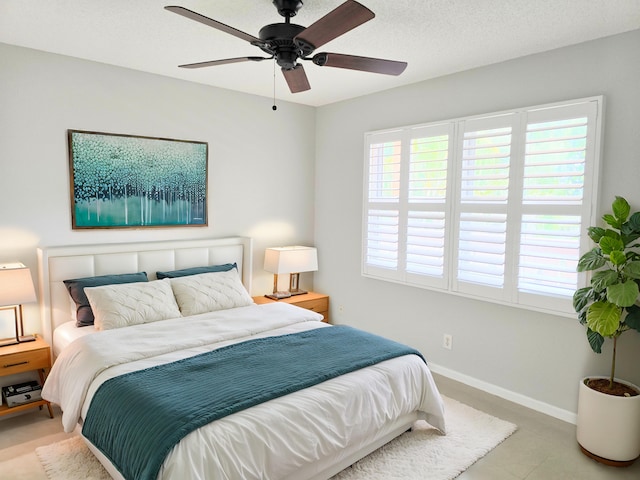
x=127 y=181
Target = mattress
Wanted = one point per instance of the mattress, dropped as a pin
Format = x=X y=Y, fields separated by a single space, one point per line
x=67 y=333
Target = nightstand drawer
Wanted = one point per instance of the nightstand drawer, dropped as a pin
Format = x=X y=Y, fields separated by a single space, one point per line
x=319 y=305
x=24 y=361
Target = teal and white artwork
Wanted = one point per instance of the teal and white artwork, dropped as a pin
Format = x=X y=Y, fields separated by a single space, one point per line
x=120 y=181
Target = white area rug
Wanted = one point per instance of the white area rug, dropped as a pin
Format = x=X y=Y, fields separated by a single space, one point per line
x=422 y=454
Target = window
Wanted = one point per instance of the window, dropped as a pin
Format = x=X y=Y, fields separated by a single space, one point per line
x=492 y=207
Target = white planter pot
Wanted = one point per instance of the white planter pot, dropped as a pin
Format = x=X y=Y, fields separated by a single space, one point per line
x=609 y=426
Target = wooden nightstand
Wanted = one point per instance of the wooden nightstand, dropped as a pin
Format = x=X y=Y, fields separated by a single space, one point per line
x=26 y=357
x=311 y=301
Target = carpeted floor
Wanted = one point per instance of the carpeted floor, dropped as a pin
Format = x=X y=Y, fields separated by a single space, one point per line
x=470 y=435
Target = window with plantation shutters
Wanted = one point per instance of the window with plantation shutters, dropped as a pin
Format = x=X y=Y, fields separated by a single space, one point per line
x=493 y=206
x=406 y=204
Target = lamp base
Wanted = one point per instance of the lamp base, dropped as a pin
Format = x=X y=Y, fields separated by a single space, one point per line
x=8 y=341
x=17 y=340
x=278 y=295
x=297 y=292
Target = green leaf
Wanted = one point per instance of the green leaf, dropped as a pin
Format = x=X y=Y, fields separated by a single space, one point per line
x=632 y=269
x=612 y=233
x=595 y=233
x=611 y=220
x=623 y=294
x=595 y=340
x=632 y=320
x=582 y=317
x=591 y=260
x=609 y=244
x=604 y=318
x=581 y=297
x=621 y=209
x=634 y=221
x=601 y=280
x=617 y=257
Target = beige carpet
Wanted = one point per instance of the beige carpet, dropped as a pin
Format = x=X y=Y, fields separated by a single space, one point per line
x=417 y=455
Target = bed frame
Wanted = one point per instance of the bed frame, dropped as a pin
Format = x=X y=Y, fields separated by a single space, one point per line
x=57 y=264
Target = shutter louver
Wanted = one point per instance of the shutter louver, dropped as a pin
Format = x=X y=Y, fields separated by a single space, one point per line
x=428 y=169
x=549 y=253
x=384 y=172
x=425 y=243
x=555 y=161
x=481 y=248
x=382 y=239
x=485 y=166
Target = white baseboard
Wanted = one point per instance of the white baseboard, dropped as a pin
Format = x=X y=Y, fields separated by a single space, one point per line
x=514 y=397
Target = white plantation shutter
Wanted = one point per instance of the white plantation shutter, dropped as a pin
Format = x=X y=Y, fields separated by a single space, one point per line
x=484 y=181
x=427 y=210
x=556 y=201
x=494 y=207
x=383 y=199
x=406 y=209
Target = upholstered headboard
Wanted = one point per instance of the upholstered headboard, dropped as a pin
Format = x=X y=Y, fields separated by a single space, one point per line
x=57 y=264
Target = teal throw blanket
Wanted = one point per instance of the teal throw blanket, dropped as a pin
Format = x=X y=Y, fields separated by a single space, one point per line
x=136 y=419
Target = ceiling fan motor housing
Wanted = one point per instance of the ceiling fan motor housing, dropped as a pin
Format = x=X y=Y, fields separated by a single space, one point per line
x=278 y=38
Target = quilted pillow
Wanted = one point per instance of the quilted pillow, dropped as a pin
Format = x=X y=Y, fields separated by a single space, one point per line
x=76 y=286
x=116 y=306
x=196 y=270
x=208 y=292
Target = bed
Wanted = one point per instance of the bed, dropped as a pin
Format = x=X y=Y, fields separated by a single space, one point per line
x=312 y=431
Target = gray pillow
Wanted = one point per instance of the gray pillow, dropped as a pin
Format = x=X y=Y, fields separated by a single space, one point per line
x=84 y=315
x=196 y=270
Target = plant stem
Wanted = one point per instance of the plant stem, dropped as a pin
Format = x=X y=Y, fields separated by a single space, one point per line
x=613 y=363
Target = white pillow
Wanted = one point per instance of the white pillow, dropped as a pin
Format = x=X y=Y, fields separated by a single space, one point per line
x=208 y=292
x=122 y=305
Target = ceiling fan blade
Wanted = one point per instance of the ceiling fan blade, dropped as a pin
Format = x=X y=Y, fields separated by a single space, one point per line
x=190 y=14
x=346 y=17
x=213 y=63
x=296 y=79
x=366 y=64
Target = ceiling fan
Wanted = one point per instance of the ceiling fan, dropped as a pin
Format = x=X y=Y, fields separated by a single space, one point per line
x=287 y=42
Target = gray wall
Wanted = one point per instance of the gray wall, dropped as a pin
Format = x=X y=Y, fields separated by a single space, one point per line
x=260 y=161
x=527 y=355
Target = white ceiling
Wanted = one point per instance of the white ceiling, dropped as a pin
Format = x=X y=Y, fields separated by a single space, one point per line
x=436 y=37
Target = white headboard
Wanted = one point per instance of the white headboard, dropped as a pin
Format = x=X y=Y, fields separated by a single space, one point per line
x=57 y=264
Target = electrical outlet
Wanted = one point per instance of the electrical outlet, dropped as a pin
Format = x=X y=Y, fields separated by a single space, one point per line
x=447 y=341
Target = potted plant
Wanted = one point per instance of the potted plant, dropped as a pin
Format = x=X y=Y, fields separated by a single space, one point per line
x=608 y=426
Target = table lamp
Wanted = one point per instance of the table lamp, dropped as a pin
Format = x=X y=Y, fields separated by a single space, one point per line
x=16 y=289
x=292 y=260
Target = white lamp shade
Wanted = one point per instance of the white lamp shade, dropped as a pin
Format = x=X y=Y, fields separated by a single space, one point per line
x=294 y=259
x=16 y=285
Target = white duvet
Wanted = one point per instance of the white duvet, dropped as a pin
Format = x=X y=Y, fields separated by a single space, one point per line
x=275 y=440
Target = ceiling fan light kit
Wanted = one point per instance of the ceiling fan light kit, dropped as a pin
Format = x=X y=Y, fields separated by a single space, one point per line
x=287 y=43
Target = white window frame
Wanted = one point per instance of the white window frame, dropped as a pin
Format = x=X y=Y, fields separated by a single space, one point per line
x=452 y=206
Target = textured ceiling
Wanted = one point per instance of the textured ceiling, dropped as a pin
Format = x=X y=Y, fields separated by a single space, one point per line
x=436 y=37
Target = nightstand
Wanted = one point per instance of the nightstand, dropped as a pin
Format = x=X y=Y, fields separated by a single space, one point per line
x=26 y=357
x=311 y=301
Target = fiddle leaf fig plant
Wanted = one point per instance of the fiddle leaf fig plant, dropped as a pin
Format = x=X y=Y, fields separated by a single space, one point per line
x=608 y=306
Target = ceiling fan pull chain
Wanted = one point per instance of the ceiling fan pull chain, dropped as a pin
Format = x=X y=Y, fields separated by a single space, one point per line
x=274 y=108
